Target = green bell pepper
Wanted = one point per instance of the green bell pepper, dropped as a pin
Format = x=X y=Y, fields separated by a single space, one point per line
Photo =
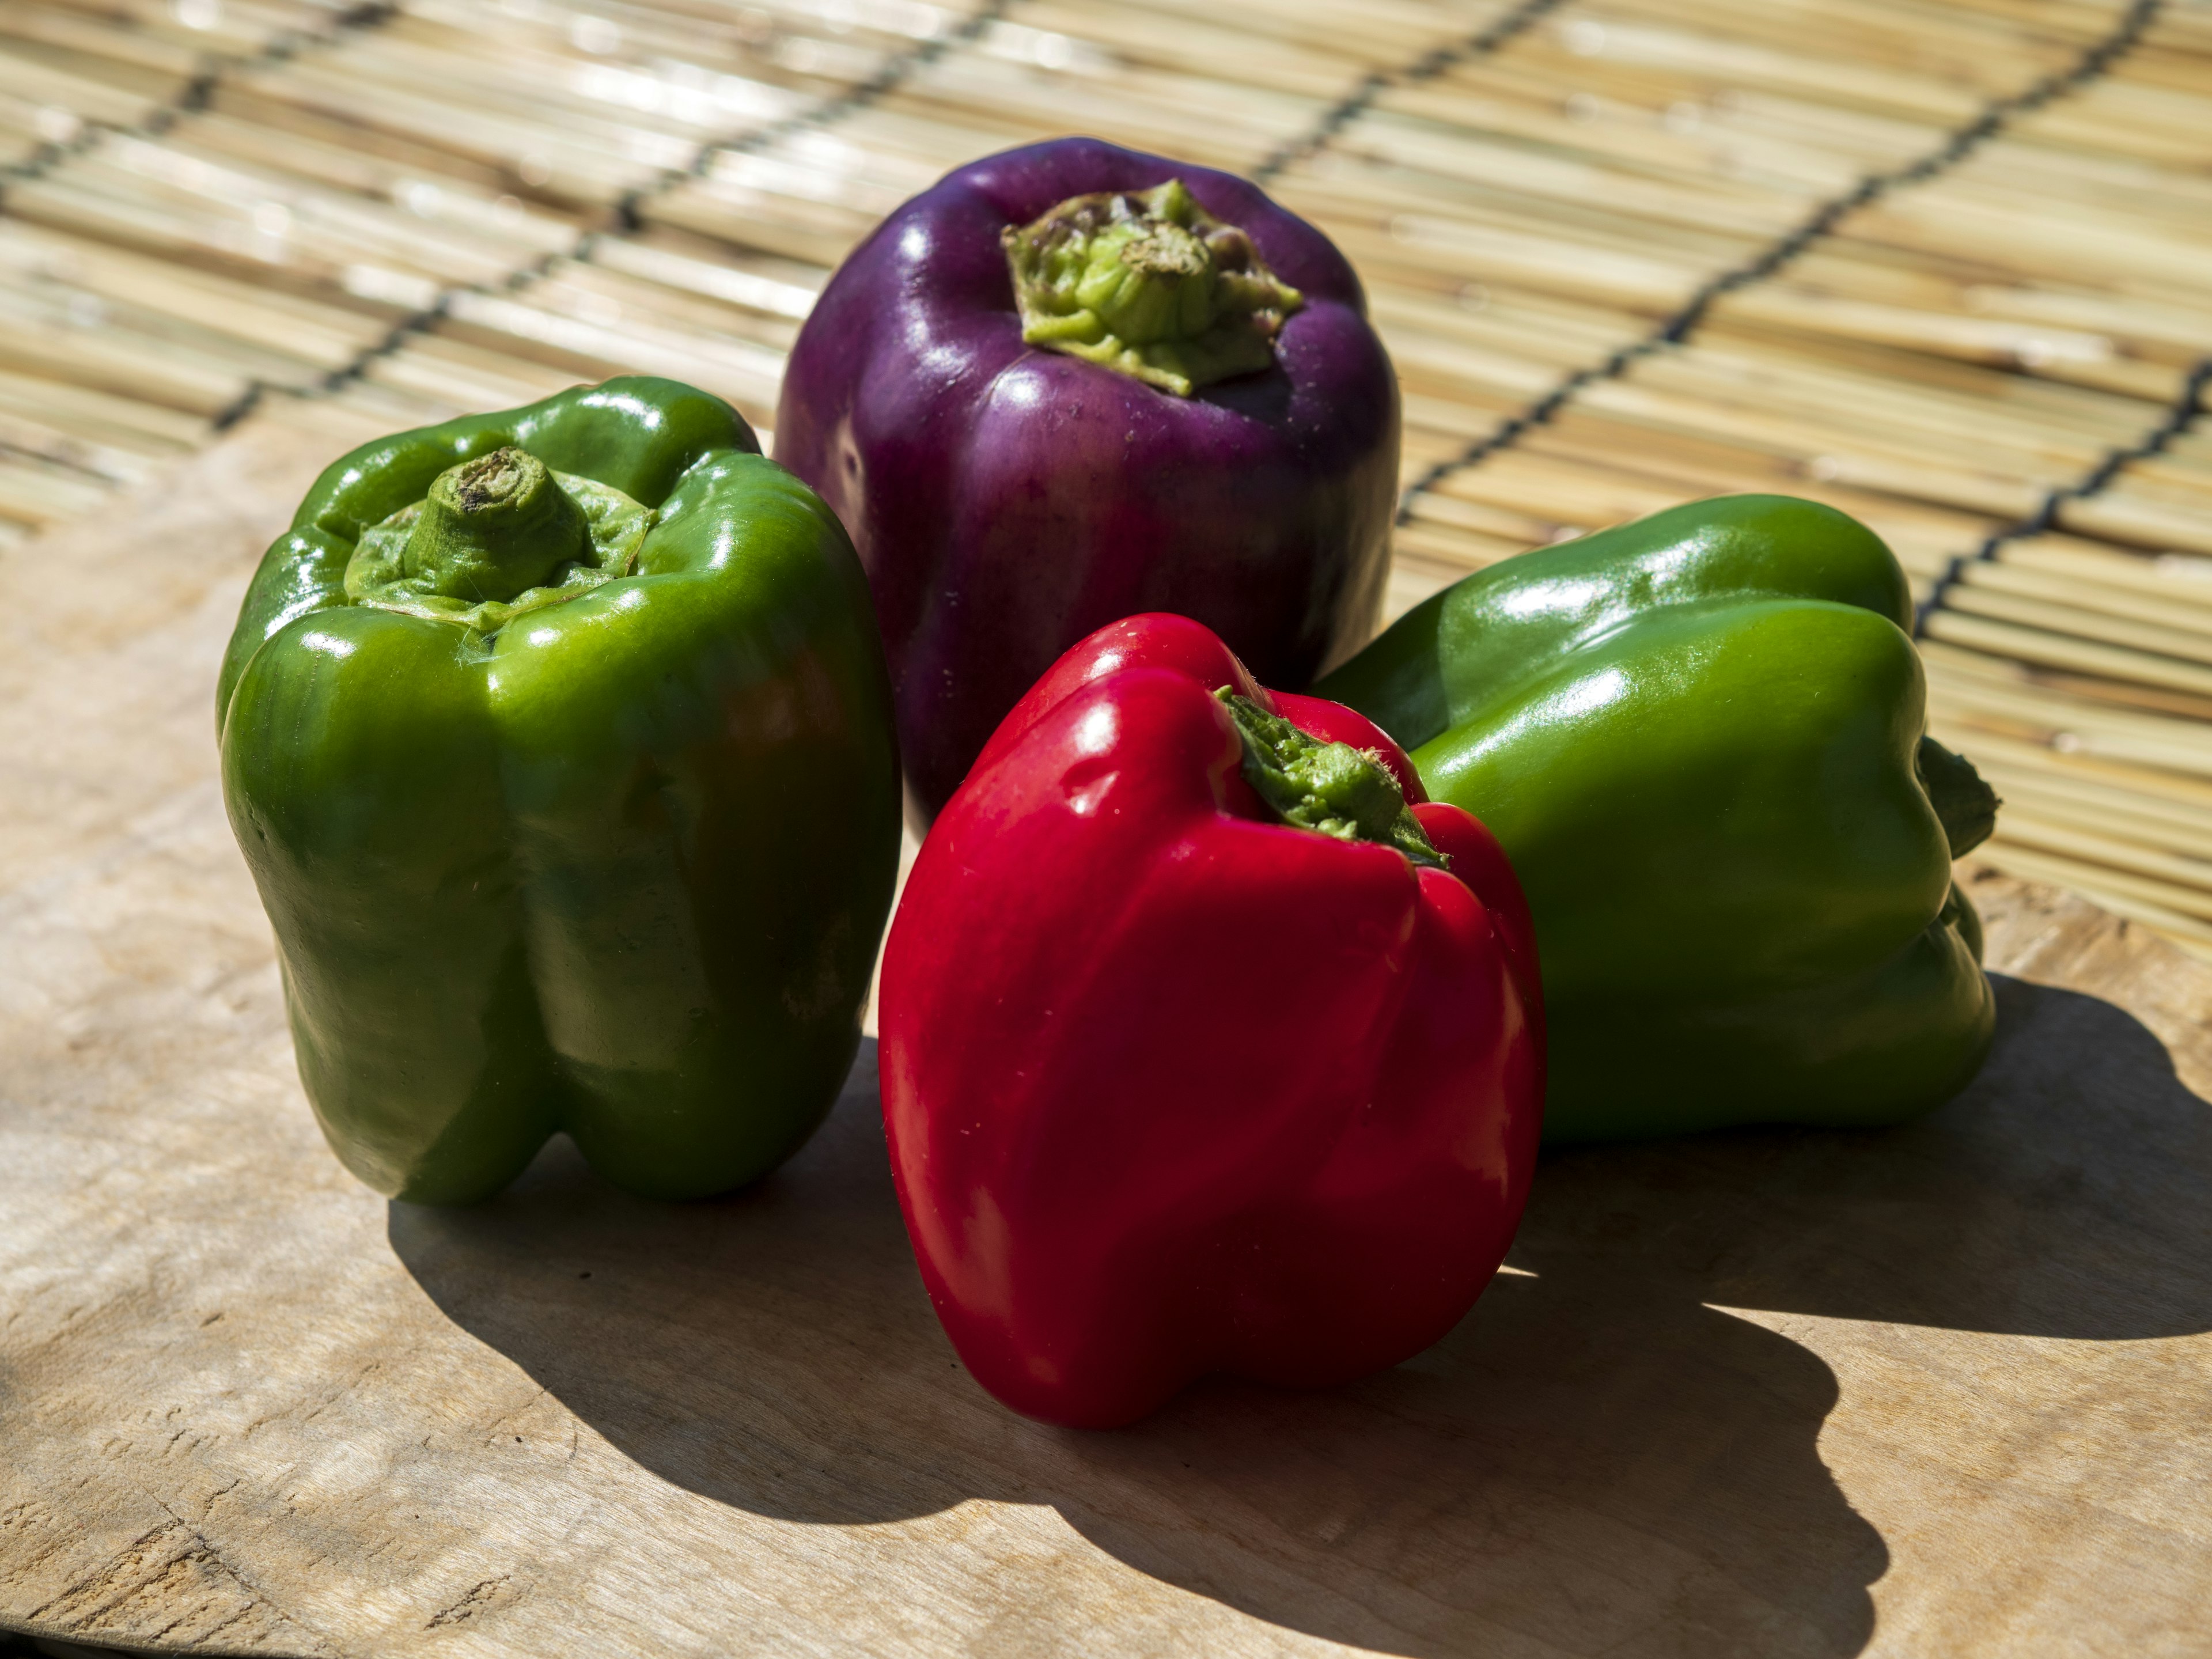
x=1700 y=738
x=559 y=742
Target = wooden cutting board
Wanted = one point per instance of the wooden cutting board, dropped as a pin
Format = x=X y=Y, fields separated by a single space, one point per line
x=1945 y=1390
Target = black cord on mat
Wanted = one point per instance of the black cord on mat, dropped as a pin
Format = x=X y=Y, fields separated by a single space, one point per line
x=1957 y=146
x=628 y=211
x=394 y=338
x=196 y=93
x=2180 y=415
x=890 y=75
x=1427 y=67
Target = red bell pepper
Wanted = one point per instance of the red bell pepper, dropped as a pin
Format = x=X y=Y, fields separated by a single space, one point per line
x=1202 y=1049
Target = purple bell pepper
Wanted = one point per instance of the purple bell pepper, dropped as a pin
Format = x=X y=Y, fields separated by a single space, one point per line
x=1182 y=409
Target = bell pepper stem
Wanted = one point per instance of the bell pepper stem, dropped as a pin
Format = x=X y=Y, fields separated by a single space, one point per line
x=1330 y=788
x=494 y=526
x=1150 y=285
x=1966 y=804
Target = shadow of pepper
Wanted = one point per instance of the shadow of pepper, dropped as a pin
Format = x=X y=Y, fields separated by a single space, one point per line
x=2067 y=1192
x=1595 y=1459
x=1592 y=1460
x=1581 y=1466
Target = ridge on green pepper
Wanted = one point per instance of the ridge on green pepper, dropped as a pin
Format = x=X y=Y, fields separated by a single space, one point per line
x=559 y=743
x=1701 y=738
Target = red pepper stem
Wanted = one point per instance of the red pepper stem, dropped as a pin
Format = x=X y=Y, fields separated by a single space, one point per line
x=1330 y=788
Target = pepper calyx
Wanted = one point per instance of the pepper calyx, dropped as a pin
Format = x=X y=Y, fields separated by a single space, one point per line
x=1330 y=788
x=497 y=536
x=1149 y=284
x=1965 y=804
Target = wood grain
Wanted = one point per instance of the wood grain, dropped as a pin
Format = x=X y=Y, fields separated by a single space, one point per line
x=1946 y=1390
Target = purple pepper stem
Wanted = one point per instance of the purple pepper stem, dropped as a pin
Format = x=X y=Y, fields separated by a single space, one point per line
x=1150 y=285
x=1007 y=500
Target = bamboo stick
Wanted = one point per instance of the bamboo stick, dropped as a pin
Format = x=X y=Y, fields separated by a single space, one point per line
x=155 y=64
x=36 y=493
x=120 y=369
x=1442 y=556
x=1934 y=363
x=2025 y=827
x=1378 y=32
x=2039 y=863
x=2168 y=796
x=2182 y=481
x=2089 y=811
x=2176 y=606
x=2124 y=516
x=1515 y=529
x=452 y=373
x=1196 y=47
x=1413 y=579
x=26 y=438
x=773 y=288
x=82 y=98
x=2113 y=570
x=2038 y=645
x=101 y=419
x=319 y=333
x=1979 y=599
x=2187 y=933
x=1753 y=372
x=2173 y=747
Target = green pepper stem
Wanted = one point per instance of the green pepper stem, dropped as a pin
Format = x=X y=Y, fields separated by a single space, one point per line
x=1966 y=806
x=1330 y=788
x=1150 y=285
x=492 y=527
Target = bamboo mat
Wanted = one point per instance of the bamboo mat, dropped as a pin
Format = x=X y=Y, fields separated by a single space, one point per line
x=1942 y=264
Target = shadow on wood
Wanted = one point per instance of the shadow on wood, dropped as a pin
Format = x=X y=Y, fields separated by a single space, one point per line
x=2067 y=1192
x=232 y=1423
x=1596 y=1460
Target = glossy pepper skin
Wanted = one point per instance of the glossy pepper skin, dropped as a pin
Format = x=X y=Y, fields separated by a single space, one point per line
x=1006 y=499
x=1700 y=737
x=1173 y=1086
x=617 y=867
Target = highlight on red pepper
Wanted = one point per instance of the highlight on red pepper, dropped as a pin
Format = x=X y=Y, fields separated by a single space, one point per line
x=1208 y=1044
x=1071 y=383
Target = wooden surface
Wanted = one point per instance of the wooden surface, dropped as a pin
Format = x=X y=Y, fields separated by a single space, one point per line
x=1944 y=1390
